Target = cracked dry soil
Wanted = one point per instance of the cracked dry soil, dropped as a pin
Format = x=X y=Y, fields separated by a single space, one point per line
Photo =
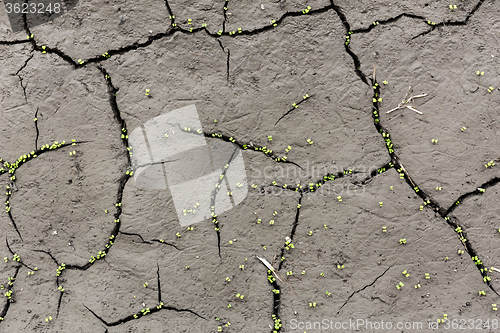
x=372 y=196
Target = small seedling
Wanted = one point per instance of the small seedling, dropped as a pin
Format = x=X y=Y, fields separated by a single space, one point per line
x=385 y=82
x=381 y=204
x=405 y=273
x=427 y=276
x=482 y=293
x=270 y=138
x=463 y=128
x=452 y=7
x=438 y=188
x=228 y=279
x=310 y=141
x=178 y=235
x=490 y=89
x=328 y=294
x=482 y=190
x=434 y=141
x=384 y=229
x=400 y=285
x=489 y=164
x=339 y=198
x=310 y=233
x=494 y=307
x=402 y=241
x=417 y=286
x=312 y=305
x=479 y=73
x=145 y=285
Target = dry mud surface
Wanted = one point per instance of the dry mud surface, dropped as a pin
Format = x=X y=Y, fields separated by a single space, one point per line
x=362 y=195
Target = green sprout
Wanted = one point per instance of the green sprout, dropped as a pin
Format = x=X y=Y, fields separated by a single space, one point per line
x=489 y=164
x=402 y=241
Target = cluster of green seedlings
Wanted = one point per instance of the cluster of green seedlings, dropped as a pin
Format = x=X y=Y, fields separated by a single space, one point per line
x=172 y=17
x=376 y=98
x=306 y=11
x=489 y=164
x=61 y=268
x=427 y=201
x=192 y=210
x=277 y=324
x=288 y=244
x=24 y=158
x=124 y=135
x=388 y=141
x=400 y=285
x=445 y=317
x=348 y=38
x=219 y=328
x=459 y=231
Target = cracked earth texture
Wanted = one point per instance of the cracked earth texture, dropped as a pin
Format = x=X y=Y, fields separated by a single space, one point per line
x=370 y=197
